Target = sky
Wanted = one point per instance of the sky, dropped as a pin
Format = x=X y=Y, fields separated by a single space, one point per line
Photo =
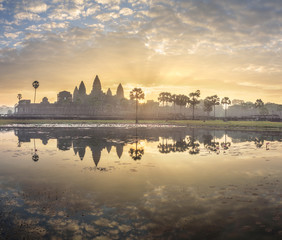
x=225 y=47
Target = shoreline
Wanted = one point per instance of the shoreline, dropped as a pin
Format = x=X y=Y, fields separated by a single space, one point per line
x=209 y=124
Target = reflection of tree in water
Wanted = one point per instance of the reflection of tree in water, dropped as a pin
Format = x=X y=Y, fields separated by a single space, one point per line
x=225 y=145
x=210 y=143
x=136 y=152
x=180 y=146
x=164 y=147
x=193 y=145
x=259 y=142
x=35 y=156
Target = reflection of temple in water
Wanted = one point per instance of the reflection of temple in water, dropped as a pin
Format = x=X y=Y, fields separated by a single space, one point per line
x=178 y=139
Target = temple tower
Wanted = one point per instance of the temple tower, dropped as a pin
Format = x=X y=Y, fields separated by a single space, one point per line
x=109 y=92
x=82 y=89
x=97 y=88
x=75 y=94
x=120 y=93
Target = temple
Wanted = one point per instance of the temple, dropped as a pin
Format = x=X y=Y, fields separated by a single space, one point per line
x=79 y=104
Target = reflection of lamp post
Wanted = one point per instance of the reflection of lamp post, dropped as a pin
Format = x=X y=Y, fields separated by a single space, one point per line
x=35 y=84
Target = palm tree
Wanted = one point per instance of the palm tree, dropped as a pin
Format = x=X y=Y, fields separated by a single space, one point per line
x=19 y=97
x=162 y=98
x=259 y=103
x=194 y=99
x=136 y=94
x=207 y=105
x=167 y=97
x=35 y=84
x=213 y=100
x=225 y=101
x=173 y=100
x=181 y=100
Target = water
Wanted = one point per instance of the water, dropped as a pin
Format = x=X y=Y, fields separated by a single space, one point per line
x=146 y=183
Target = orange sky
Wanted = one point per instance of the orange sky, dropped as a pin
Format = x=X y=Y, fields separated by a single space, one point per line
x=227 y=48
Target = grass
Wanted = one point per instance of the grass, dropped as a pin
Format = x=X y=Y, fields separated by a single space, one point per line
x=216 y=124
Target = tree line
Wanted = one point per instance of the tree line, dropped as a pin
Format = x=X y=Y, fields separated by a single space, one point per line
x=190 y=100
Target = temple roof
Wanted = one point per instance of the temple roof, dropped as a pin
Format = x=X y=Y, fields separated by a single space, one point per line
x=120 y=92
x=82 y=88
x=97 y=84
x=109 y=92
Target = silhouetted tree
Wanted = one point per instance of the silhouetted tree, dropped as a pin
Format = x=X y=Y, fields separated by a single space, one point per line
x=181 y=100
x=35 y=84
x=260 y=105
x=213 y=101
x=136 y=94
x=225 y=101
x=194 y=100
x=167 y=97
x=161 y=98
x=164 y=97
x=207 y=105
x=173 y=100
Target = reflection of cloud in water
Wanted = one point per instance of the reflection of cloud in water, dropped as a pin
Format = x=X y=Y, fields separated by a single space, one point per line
x=172 y=200
x=163 y=211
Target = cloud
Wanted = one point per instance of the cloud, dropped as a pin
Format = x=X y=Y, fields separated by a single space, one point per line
x=12 y=35
x=107 y=16
x=211 y=44
x=126 y=11
x=27 y=16
x=37 y=7
x=92 y=10
x=109 y=2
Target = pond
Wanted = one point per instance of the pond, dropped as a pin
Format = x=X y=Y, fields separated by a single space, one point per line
x=148 y=182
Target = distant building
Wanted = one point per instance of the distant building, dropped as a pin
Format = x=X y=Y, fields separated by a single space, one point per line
x=95 y=104
x=237 y=102
x=64 y=97
x=120 y=93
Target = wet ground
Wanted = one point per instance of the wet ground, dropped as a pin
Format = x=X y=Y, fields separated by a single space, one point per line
x=122 y=182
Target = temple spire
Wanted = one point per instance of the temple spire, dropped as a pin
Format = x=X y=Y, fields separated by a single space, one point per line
x=120 y=93
x=96 y=85
x=82 y=89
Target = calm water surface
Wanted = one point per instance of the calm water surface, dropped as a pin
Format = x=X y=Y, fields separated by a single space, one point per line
x=145 y=183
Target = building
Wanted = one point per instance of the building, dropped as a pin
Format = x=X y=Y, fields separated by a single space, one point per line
x=95 y=104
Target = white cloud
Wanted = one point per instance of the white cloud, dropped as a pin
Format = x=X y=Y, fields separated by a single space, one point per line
x=37 y=8
x=1 y=7
x=92 y=10
x=110 y=2
x=33 y=35
x=12 y=35
x=126 y=11
x=62 y=13
x=47 y=26
x=27 y=16
x=107 y=16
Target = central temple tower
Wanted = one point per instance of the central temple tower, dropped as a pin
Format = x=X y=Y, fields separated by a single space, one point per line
x=97 y=88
